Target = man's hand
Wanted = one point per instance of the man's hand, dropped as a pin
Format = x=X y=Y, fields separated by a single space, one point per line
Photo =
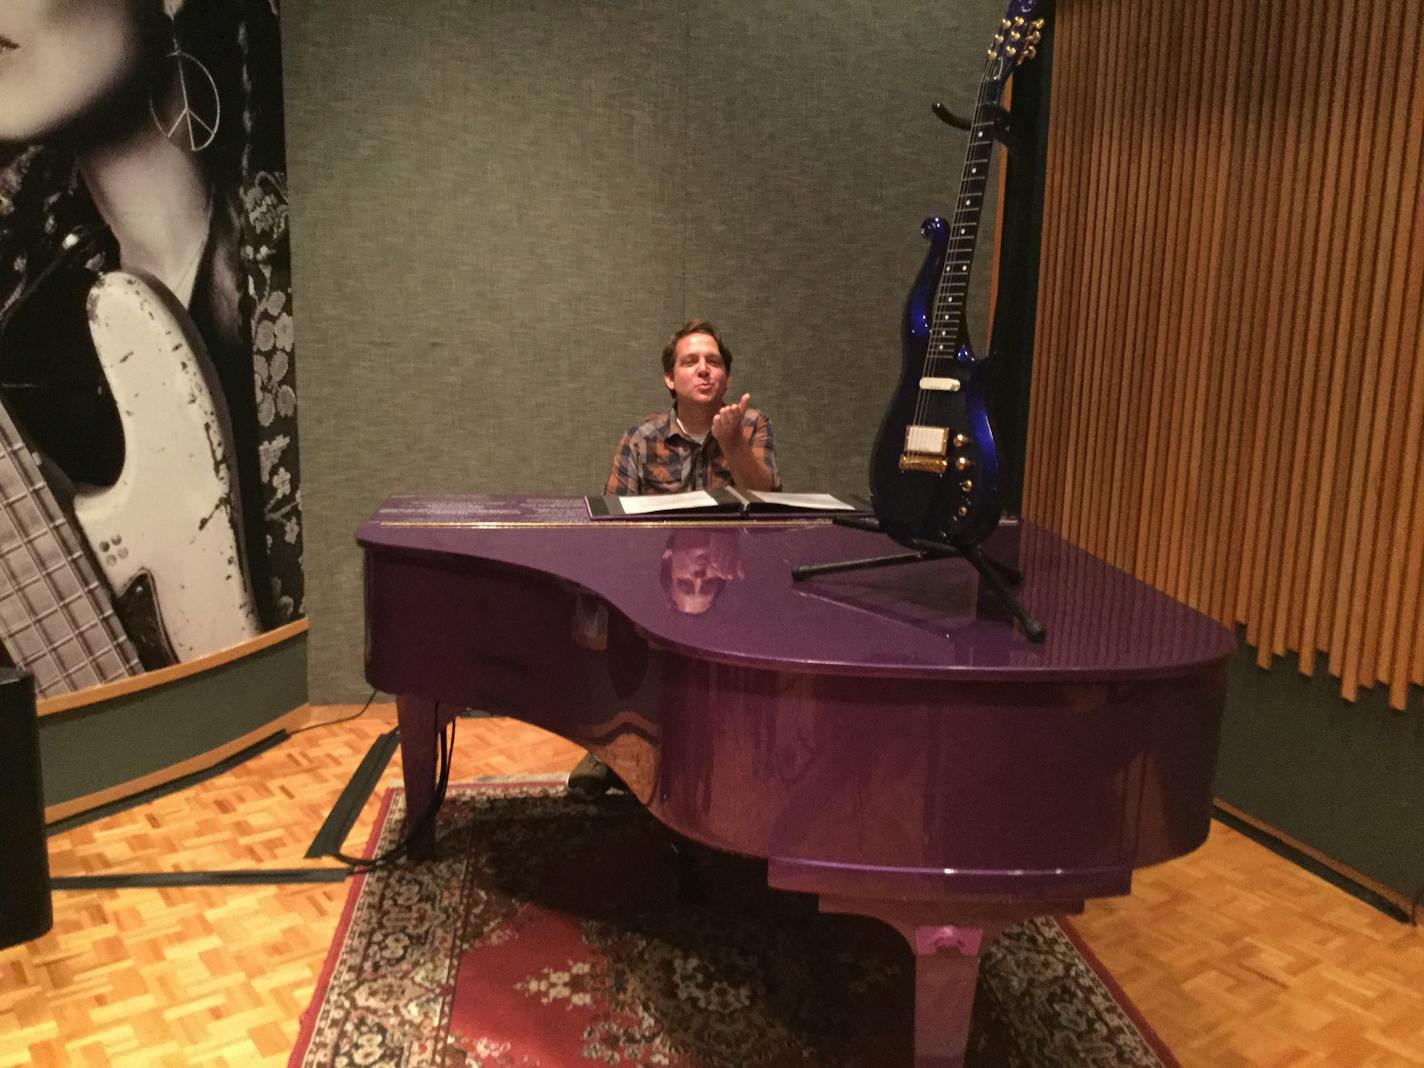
x=727 y=426
x=749 y=472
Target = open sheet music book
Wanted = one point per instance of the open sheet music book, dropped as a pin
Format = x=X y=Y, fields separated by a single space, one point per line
x=725 y=502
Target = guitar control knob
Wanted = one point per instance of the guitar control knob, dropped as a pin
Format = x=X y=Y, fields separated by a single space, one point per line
x=963 y=463
x=961 y=440
x=963 y=510
x=966 y=485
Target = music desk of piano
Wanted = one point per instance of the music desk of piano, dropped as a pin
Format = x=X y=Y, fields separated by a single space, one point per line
x=887 y=739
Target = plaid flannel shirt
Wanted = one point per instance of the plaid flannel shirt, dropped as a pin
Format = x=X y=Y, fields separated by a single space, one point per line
x=656 y=457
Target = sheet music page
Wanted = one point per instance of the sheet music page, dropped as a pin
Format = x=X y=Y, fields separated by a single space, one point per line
x=818 y=501
x=665 y=502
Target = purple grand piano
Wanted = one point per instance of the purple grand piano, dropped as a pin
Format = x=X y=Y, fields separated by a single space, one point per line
x=887 y=739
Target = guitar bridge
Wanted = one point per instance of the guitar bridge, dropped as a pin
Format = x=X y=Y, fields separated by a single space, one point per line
x=916 y=461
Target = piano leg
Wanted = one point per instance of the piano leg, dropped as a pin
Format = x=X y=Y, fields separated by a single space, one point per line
x=947 y=957
x=944 y=1002
x=419 y=722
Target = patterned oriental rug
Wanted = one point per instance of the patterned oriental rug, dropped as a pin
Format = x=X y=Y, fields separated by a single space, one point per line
x=549 y=932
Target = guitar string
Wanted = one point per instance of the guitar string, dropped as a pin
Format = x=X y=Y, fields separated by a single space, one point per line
x=938 y=306
x=85 y=585
x=963 y=209
x=12 y=451
x=949 y=305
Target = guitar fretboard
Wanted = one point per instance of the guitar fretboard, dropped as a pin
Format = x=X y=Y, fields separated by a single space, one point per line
x=56 y=617
x=947 y=325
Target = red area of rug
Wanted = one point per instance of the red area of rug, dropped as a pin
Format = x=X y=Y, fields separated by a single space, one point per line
x=551 y=932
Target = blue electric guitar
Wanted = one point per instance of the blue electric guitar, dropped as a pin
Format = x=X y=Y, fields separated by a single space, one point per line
x=934 y=469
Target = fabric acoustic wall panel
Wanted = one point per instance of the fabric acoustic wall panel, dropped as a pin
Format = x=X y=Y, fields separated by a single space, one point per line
x=503 y=209
x=1229 y=371
x=812 y=159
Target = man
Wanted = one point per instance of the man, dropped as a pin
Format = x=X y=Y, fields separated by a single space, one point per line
x=701 y=443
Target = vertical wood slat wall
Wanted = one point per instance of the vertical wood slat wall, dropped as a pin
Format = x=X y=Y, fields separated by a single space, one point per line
x=1228 y=386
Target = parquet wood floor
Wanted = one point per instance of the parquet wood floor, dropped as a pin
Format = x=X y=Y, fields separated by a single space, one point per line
x=1235 y=956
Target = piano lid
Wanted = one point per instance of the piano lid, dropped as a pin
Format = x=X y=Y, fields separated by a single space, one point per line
x=724 y=592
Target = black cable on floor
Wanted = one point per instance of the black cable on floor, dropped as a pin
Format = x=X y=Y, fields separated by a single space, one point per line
x=181 y=783
x=334 y=722
x=445 y=748
x=240 y=877
x=353 y=798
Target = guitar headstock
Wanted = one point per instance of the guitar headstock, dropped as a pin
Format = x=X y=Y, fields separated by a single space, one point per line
x=1017 y=38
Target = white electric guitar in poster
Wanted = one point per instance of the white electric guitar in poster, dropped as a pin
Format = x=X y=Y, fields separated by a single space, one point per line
x=166 y=535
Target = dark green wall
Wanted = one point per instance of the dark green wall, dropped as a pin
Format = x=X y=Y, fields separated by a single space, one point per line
x=1345 y=779
x=102 y=745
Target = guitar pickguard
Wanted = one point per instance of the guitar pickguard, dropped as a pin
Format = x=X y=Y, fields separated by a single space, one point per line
x=137 y=605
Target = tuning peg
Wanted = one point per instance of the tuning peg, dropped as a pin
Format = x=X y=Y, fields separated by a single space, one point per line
x=1029 y=52
x=991 y=54
x=1036 y=24
x=1005 y=24
x=1016 y=36
x=1018 y=20
x=1010 y=51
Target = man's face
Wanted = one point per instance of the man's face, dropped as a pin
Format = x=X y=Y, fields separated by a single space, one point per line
x=698 y=376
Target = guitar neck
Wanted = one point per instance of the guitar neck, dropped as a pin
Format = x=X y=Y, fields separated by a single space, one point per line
x=56 y=617
x=953 y=290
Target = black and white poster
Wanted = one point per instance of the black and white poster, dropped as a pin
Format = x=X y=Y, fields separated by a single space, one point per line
x=151 y=492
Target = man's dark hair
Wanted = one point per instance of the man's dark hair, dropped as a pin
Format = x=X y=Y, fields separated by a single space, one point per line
x=696 y=326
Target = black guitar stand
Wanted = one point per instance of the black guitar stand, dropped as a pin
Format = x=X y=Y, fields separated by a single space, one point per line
x=998 y=576
x=1002 y=128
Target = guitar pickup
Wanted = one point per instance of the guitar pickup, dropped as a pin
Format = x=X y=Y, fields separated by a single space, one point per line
x=945 y=385
x=929 y=440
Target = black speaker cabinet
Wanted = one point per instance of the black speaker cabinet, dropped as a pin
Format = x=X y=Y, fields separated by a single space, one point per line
x=25 y=909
